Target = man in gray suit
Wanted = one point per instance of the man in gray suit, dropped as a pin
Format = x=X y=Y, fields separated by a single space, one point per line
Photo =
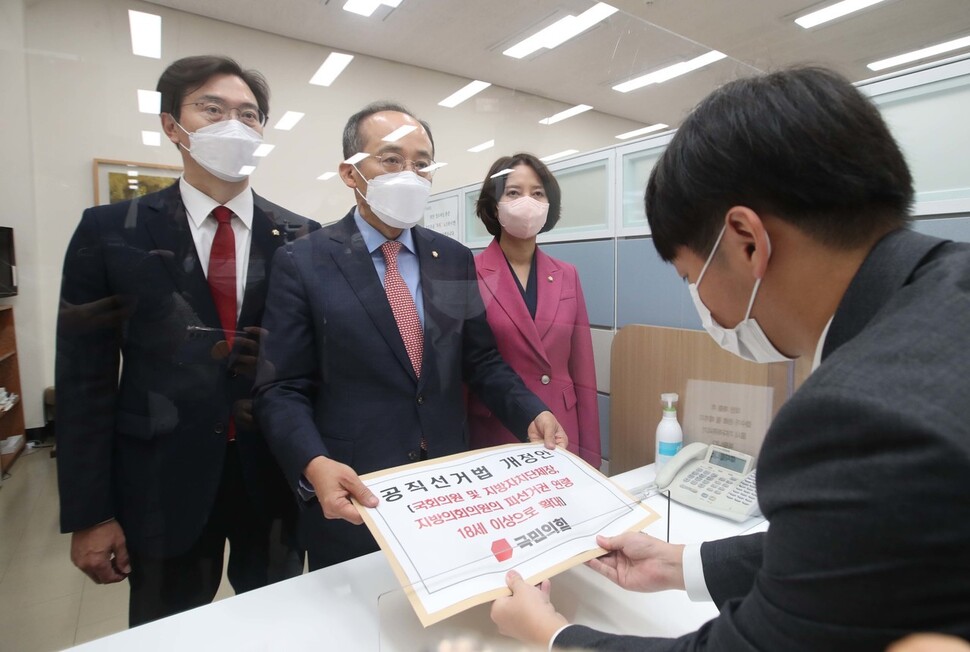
x=783 y=201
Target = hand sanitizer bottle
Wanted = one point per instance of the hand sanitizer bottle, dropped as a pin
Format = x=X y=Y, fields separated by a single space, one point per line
x=670 y=438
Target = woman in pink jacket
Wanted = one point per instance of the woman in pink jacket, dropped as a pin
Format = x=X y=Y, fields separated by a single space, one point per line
x=535 y=306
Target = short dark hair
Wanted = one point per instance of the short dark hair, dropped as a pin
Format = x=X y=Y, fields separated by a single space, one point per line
x=802 y=144
x=493 y=188
x=186 y=75
x=351 y=139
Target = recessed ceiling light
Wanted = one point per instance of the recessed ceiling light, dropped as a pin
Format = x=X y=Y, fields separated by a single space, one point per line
x=146 y=34
x=557 y=155
x=502 y=173
x=246 y=170
x=263 y=150
x=916 y=55
x=132 y=173
x=568 y=113
x=398 y=133
x=151 y=138
x=326 y=176
x=149 y=101
x=332 y=66
x=561 y=31
x=676 y=70
x=433 y=167
x=357 y=158
x=367 y=7
x=463 y=94
x=832 y=12
x=640 y=132
x=289 y=120
x=482 y=147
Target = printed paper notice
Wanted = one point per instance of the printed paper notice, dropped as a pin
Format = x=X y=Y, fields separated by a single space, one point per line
x=452 y=527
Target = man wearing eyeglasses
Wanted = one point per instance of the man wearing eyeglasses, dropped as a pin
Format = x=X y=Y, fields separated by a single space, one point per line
x=373 y=325
x=160 y=468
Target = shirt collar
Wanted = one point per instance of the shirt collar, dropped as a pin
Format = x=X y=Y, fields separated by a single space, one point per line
x=817 y=360
x=199 y=205
x=374 y=238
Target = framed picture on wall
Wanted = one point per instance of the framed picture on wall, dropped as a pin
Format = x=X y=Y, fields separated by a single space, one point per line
x=116 y=181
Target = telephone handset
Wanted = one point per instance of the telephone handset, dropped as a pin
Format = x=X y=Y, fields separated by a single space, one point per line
x=712 y=479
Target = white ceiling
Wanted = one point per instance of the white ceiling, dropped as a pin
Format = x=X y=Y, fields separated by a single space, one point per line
x=467 y=37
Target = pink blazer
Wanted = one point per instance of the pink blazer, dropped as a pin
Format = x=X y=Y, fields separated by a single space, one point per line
x=553 y=354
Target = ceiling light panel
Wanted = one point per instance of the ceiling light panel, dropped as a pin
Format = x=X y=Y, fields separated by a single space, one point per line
x=146 y=34
x=331 y=68
x=326 y=176
x=561 y=31
x=924 y=53
x=558 y=155
x=149 y=101
x=357 y=158
x=642 y=132
x=832 y=12
x=368 y=7
x=568 y=113
x=263 y=150
x=289 y=120
x=488 y=144
x=665 y=74
x=151 y=138
x=398 y=133
x=463 y=94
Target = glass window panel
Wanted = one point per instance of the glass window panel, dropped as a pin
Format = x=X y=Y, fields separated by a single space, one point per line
x=636 y=170
x=585 y=197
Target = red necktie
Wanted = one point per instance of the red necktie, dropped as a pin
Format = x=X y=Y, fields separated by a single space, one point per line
x=402 y=305
x=222 y=280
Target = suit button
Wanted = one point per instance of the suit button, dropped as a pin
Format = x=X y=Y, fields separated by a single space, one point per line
x=218 y=428
x=420 y=399
x=413 y=456
x=545 y=379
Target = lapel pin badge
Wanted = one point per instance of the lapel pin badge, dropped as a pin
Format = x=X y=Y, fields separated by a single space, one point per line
x=549 y=278
x=434 y=254
x=276 y=232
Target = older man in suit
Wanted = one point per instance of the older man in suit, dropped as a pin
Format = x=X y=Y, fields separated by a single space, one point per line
x=373 y=324
x=159 y=469
x=783 y=201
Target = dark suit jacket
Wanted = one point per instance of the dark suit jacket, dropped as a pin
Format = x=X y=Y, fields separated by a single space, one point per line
x=148 y=449
x=335 y=378
x=862 y=475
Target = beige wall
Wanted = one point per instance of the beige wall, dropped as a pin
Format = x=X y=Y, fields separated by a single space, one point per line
x=81 y=81
x=16 y=188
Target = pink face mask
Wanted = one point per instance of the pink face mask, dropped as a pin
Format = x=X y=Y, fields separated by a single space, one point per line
x=523 y=217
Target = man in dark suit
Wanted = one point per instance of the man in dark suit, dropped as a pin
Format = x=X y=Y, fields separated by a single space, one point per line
x=158 y=469
x=373 y=325
x=783 y=200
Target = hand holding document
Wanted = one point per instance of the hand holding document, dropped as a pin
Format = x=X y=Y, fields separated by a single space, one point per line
x=453 y=527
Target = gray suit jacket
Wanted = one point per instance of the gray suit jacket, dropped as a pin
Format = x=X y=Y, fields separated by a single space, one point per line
x=862 y=476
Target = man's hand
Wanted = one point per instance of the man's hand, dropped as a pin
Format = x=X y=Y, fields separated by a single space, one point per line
x=101 y=553
x=334 y=484
x=545 y=428
x=639 y=562
x=246 y=351
x=527 y=615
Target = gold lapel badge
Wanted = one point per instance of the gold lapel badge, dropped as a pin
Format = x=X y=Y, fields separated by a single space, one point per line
x=434 y=254
x=276 y=232
x=549 y=278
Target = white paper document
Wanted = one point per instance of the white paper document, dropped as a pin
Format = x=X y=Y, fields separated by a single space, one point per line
x=453 y=527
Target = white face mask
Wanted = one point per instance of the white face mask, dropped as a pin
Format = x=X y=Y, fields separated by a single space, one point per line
x=523 y=217
x=397 y=198
x=746 y=340
x=224 y=148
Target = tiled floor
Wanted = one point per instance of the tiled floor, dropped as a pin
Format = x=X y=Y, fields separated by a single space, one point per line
x=45 y=602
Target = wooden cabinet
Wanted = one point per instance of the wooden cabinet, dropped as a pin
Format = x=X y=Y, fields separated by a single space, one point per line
x=11 y=418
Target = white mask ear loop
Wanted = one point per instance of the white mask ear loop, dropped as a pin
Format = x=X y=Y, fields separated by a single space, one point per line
x=710 y=256
x=757 y=283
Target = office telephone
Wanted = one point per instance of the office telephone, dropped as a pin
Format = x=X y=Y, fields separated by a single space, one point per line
x=712 y=479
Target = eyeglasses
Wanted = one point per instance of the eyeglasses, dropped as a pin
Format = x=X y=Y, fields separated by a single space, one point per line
x=397 y=163
x=217 y=112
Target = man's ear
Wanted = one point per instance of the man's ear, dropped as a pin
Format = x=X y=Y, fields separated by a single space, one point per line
x=350 y=176
x=170 y=128
x=745 y=235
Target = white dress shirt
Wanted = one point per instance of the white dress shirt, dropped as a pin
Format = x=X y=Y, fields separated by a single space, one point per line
x=198 y=207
